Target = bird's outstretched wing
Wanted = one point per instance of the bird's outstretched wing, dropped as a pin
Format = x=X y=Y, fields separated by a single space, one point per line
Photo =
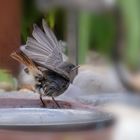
x=43 y=50
x=43 y=47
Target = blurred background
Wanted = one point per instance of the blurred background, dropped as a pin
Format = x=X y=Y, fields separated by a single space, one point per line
x=94 y=32
x=102 y=36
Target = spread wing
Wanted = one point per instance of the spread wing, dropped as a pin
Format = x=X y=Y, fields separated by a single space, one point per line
x=43 y=47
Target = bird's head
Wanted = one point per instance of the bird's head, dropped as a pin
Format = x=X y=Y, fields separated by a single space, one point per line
x=71 y=69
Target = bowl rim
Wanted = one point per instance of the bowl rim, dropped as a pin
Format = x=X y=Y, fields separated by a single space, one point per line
x=63 y=127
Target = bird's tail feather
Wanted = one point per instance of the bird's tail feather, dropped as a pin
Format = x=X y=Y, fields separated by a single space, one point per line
x=22 y=58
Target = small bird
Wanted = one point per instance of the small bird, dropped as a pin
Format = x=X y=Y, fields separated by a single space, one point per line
x=42 y=54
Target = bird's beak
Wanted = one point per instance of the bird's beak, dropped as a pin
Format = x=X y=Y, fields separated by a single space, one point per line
x=75 y=68
x=73 y=73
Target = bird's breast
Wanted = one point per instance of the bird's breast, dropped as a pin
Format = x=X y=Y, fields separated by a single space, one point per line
x=56 y=84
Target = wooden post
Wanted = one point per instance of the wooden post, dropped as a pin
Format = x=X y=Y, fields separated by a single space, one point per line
x=9 y=33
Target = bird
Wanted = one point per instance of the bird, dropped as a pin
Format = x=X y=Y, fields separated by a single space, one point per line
x=43 y=57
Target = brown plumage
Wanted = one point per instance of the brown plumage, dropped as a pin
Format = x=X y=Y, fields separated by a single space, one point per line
x=22 y=58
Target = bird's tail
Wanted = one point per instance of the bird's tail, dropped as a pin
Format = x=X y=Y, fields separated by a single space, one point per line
x=22 y=58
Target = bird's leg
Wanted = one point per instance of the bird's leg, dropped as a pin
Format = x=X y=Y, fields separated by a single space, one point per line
x=41 y=99
x=55 y=102
x=40 y=96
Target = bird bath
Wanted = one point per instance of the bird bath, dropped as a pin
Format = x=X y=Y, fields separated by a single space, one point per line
x=22 y=118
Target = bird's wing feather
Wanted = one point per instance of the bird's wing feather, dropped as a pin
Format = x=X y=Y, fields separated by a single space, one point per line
x=43 y=47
